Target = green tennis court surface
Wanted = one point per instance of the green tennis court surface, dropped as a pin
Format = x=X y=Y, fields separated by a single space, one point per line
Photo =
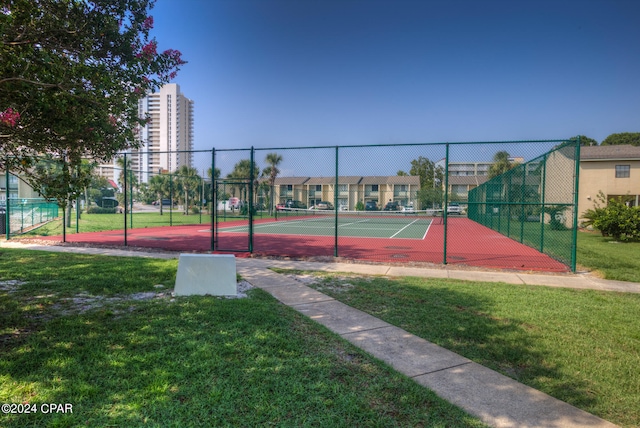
x=359 y=224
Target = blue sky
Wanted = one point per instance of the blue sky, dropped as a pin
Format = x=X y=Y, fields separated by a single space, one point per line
x=272 y=73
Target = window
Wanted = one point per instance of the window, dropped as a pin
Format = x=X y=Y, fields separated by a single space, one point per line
x=374 y=187
x=318 y=187
x=623 y=171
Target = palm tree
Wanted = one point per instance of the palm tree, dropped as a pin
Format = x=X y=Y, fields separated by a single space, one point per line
x=501 y=164
x=132 y=180
x=214 y=177
x=188 y=180
x=242 y=172
x=126 y=167
x=159 y=185
x=272 y=171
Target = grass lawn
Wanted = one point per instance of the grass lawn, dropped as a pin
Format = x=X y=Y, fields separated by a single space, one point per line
x=580 y=346
x=609 y=258
x=101 y=222
x=72 y=332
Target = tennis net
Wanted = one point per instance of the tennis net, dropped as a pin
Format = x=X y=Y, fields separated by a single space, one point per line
x=344 y=217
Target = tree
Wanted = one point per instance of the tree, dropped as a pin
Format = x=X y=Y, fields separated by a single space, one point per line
x=159 y=185
x=62 y=183
x=215 y=176
x=632 y=138
x=187 y=181
x=272 y=171
x=501 y=164
x=401 y=173
x=586 y=141
x=242 y=173
x=131 y=179
x=430 y=175
x=72 y=73
x=430 y=197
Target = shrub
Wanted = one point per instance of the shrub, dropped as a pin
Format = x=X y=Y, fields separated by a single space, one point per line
x=99 y=210
x=360 y=206
x=616 y=219
x=556 y=216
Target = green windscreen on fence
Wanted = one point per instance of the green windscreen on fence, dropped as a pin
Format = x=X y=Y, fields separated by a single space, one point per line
x=534 y=203
x=18 y=215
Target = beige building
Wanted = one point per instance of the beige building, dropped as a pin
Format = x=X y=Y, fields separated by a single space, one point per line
x=459 y=185
x=614 y=170
x=350 y=190
x=15 y=189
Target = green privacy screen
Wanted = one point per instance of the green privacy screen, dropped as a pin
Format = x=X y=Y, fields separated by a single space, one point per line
x=534 y=202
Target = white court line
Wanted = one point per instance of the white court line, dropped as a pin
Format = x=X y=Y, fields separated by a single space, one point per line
x=427 y=231
x=354 y=222
x=394 y=235
x=304 y=224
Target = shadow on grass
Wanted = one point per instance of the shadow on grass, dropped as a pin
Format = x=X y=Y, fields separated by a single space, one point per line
x=466 y=323
x=204 y=362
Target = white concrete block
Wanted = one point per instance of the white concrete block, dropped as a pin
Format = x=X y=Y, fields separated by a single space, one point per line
x=201 y=274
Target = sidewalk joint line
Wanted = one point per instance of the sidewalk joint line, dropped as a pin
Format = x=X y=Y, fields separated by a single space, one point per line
x=369 y=329
x=442 y=369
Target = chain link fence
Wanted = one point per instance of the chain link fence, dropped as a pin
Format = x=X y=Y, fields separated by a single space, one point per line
x=534 y=202
x=503 y=204
x=20 y=215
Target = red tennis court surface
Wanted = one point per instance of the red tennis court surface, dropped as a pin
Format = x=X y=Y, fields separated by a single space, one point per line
x=468 y=243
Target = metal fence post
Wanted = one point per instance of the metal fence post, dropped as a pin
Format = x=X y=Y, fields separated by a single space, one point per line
x=170 y=198
x=574 y=238
x=335 y=202
x=7 y=223
x=446 y=204
x=214 y=200
x=124 y=203
x=251 y=177
x=543 y=197
x=131 y=198
x=523 y=216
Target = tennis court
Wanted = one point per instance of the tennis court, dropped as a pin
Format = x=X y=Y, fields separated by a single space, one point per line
x=399 y=239
x=382 y=237
x=360 y=224
x=523 y=219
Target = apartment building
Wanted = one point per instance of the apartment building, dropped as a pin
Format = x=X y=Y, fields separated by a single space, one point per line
x=165 y=140
x=464 y=176
x=14 y=188
x=350 y=190
x=612 y=170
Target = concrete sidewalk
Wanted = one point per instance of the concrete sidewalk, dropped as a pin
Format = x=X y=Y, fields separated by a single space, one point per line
x=497 y=400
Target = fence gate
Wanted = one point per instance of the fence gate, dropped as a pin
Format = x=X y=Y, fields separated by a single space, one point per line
x=232 y=224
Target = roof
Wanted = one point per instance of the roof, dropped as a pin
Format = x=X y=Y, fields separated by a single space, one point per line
x=391 y=179
x=290 y=180
x=623 y=151
x=404 y=179
x=350 y=179
x=343 y=179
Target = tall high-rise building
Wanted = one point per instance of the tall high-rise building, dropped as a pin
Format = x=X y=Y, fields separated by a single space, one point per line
x=165 y=141
x=168 y=138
